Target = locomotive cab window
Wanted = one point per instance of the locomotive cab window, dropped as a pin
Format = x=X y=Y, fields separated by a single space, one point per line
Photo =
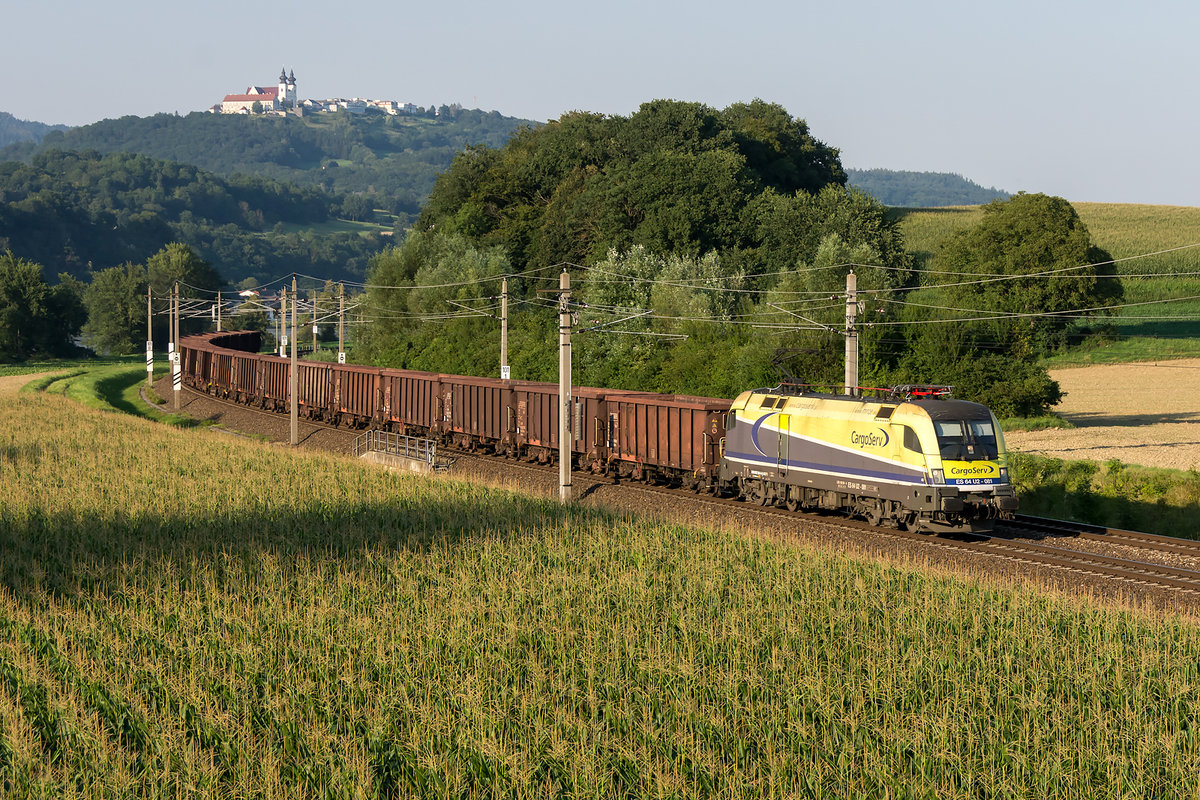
x=911 y=441
x=966 y=440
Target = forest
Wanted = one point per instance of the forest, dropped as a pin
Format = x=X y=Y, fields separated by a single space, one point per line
x=75 y=212
x=13 y=130
x=910 y=189
x=392 y=159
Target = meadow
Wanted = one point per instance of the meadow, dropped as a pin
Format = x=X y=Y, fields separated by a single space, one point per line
x=182 y=613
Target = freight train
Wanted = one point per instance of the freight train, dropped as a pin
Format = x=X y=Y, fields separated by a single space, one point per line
x=908 y=457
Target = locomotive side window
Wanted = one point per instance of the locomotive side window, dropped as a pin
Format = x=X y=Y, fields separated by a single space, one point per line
x=911 y=441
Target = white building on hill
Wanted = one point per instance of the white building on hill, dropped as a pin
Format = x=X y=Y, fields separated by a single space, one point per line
x=272 y=98
x=282 y=99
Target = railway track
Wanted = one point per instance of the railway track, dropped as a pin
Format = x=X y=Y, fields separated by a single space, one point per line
x=1027 y=550
x=1028 y=541
x=1048 y=528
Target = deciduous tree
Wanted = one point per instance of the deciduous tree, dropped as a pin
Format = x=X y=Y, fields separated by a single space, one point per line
x=1033 y=262
x=34 y=317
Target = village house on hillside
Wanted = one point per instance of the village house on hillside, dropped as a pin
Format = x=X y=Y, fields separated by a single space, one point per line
x=282 y=100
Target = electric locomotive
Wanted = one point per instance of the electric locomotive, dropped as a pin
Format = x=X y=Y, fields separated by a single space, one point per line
x=911 y=457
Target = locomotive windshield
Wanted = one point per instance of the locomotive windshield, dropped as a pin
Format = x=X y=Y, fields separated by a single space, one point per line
x=967 y=439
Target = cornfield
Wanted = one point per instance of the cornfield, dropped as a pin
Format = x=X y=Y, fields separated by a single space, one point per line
x=185 y=614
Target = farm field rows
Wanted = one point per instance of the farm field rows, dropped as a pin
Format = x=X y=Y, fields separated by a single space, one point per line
x=1145 y=413
x=181 y=613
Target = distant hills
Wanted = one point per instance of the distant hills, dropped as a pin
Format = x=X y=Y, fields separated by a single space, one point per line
x=922 y=189
x=393 y=159
x=13 y=130
x=73 y=212
x=254 y=196
x=263 y=195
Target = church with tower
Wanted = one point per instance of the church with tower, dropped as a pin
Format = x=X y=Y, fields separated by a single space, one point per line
x=269 y=98
x=282 y=99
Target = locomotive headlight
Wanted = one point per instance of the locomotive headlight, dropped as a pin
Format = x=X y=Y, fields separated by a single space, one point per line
x=1004 y=474
x=938 y=476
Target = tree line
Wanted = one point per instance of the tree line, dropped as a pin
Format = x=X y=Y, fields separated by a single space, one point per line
x=922 y=189
x=108 y=312
x=722 y=239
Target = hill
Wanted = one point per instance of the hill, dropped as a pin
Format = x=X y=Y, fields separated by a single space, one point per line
x=71 y=212
x=392 y=159
x=921 y=189
x=13 y=130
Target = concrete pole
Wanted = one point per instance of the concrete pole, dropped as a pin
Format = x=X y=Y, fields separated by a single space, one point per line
x=341 y=323
x=279 y=321
x=149 y=337
x=176 y=377
x=504 y=371
x=851 y=333
x=218 y=312
x=293 y=377
x=565 y=432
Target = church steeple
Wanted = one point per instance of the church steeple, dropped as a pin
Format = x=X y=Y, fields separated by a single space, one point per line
x=287 y=89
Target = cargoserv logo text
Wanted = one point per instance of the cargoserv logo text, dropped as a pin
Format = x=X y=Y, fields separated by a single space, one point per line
x=876 y=438
x=973 y=471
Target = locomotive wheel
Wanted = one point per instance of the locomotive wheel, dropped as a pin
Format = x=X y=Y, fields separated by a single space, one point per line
x=876 y=515
x=755 y=491
x=792 y=503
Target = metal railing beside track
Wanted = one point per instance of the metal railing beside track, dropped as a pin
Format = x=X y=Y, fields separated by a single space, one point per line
x=397 y=444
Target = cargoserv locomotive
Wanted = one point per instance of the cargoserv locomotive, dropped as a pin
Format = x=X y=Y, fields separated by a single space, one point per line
x=910 y=456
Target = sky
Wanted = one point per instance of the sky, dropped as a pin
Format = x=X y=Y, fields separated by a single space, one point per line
x=1091 y=101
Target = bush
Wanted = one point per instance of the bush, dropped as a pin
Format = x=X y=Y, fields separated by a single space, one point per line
x=1008 y=386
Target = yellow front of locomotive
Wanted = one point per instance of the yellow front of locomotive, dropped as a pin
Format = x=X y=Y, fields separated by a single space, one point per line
x=965 y=455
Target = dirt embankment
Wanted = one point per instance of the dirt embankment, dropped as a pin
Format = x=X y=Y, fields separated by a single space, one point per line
x=1145 y=413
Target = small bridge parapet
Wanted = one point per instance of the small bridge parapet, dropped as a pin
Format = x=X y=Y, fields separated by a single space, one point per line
x=396 y=451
